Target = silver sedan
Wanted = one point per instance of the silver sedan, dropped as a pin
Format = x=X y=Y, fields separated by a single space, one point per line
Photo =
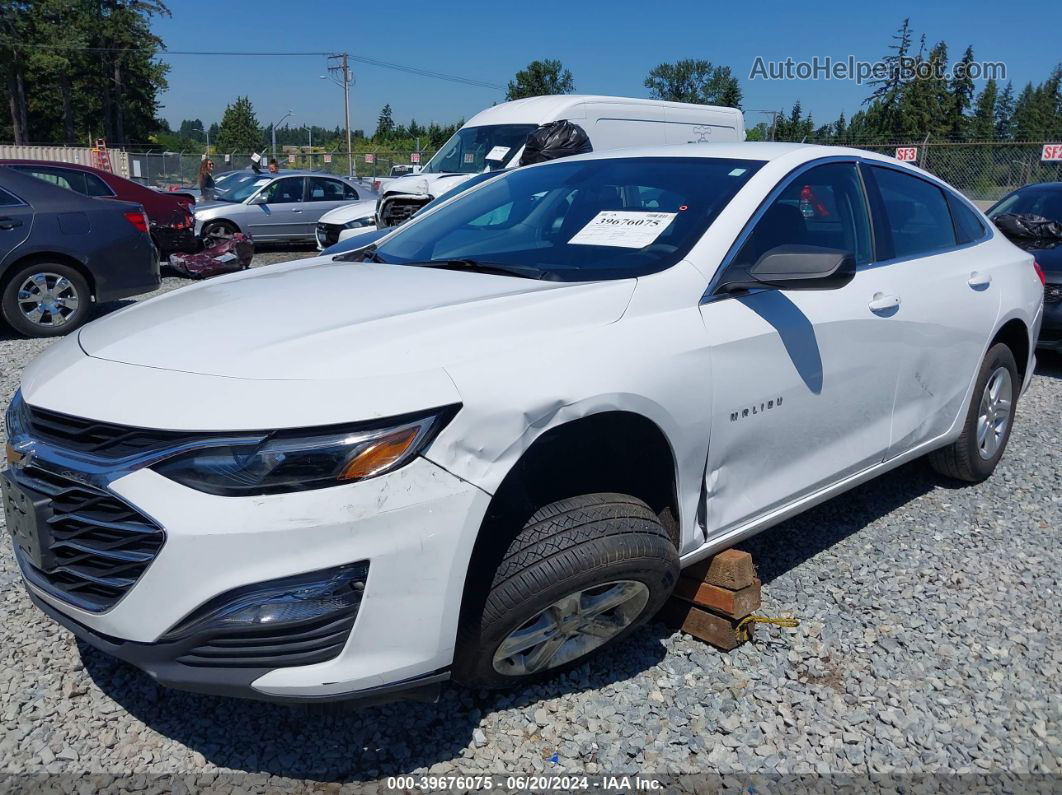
x=279 y=207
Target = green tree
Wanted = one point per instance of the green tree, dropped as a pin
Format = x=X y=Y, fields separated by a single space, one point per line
x=385 y=125
x=239 y=130
x=540 y=78
x=983 y=124
x=694 y=80
x=1005 y=113
x=961 y=91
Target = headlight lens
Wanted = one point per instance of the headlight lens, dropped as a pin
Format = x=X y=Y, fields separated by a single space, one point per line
x=287 y=461
x=358 y=223
x=16 y=418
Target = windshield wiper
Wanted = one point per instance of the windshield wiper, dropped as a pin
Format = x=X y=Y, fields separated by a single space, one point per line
x=367 y=254
x=499 y=268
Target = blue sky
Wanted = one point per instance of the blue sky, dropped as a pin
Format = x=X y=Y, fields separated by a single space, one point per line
x=609 y=48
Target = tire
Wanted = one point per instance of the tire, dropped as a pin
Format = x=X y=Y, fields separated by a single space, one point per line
x=218 y=229
x=46 y=299
x=973 y=457
x=592 y=551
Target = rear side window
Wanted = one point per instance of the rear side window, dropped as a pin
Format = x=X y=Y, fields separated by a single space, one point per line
x=824 y=206
x=94 y=186
x=916 y=214
x=7 y=200
x=71 y=180
x=968 y=226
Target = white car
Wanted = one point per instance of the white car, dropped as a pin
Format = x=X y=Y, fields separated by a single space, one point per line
x=484 y=451
x=345 y=222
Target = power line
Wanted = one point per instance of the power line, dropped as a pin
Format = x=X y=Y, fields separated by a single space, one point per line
x=415 y=70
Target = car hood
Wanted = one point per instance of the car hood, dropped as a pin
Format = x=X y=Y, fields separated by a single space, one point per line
x=202 y=207
x=350 y=212
x=424 y=184
x=321 y=319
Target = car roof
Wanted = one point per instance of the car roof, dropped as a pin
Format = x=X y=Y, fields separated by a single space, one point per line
x=1040 y=186
x=45 y=196
x=533 y=110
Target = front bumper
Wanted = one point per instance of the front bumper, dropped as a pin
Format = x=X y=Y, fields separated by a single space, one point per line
x=415 y=527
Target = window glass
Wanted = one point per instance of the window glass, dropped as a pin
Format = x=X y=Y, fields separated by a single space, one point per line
x=7 y=200
x=968 y=226
x=323 y=189
x=1034 y=200
x=918 y=218
x=284 y=191
x=824 y=206
x=466 y=151
x=349 y=192
x=94 y=186
x=71 y=180
x=578 y=220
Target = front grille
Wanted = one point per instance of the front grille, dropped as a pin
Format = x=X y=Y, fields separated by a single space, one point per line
x=309 y=642
x=95 y=437
x=95 y=545
x=1052 y=293
x=399 y=210
x=328 y=234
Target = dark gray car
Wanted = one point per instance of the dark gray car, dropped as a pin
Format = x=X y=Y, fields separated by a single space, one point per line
x=60 y=252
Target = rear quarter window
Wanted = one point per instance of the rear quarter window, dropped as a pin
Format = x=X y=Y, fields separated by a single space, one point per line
x=917 y=214
x=968 y=225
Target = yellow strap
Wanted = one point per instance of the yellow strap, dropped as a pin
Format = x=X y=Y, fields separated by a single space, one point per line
x=744 y=634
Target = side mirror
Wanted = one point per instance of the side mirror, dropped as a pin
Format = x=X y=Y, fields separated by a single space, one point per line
x=257 y=199
x=797 y=267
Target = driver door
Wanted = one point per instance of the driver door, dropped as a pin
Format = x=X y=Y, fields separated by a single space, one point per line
x=282 y=215
x=803 y=380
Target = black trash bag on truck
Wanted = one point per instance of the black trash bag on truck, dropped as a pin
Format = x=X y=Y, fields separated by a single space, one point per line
x=553 y=140
x=1028 y=226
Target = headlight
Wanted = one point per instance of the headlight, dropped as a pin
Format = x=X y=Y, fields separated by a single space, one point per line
x=17 y=421
x=287 y=461
x=359 y=223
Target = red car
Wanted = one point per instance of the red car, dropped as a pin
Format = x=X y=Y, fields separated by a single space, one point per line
x=172 y=224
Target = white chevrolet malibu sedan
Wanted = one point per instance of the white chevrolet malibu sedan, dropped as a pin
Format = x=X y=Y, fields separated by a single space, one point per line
x=483 y=447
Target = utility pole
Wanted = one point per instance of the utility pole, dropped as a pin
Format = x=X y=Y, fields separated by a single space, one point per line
x=339 y=70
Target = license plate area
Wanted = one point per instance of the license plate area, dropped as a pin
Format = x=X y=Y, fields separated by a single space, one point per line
x=27 y=521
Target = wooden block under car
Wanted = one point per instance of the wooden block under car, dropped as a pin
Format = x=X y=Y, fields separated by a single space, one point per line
x=702 y=624
x=736 y=604
x=731 y=569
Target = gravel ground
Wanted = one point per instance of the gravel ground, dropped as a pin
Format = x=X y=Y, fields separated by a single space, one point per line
x=929 y=643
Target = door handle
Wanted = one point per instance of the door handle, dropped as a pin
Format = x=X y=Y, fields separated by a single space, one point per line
x=884 y=303
x=978 y=279
x=296 y=210
x=9 y=223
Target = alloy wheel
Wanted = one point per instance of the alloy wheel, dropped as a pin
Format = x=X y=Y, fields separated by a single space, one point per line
x=993 y=415
x=48 y=299
x=571 y=627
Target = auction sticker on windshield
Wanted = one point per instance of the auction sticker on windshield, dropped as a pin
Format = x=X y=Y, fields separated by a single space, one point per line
x=498 y=153
x=622 y=228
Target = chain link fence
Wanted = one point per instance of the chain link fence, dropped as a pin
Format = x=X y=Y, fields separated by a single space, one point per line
x=181 y=169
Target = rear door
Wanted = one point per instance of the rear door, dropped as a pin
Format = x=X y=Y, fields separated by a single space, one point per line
x=950 y=297
x=16 y=220
x=324 y=194
x=282 y=216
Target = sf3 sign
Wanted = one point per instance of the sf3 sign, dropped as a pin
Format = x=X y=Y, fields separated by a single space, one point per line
x=1052 y=152
x=907 y=154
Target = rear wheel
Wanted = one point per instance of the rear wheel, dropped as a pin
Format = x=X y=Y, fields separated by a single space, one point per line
x=974 y=455
x=582 y=574
x=219 y=230
x=46 y=299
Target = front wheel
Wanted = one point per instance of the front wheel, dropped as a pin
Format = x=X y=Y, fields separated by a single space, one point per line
x=582 y=574
x=46 y=299
x=985 y=433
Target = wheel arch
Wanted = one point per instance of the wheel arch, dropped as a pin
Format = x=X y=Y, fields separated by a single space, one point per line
x=47 y=256
x=1015 y=334
x=607 y=451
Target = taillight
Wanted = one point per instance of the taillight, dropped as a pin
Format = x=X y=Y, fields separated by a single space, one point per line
x=1039 y=272
x=138 y=219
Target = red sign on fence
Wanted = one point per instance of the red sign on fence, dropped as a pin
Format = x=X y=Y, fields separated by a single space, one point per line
x=908 y=154
x=291 y=158
x=328 y=158
x=1052 y=152
x=414 y=157
x=370 y=158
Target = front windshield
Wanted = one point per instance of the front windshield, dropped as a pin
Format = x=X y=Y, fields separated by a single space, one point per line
x=466 y=151
x=1036 y=201
x=240 y=187
x=577 y=220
